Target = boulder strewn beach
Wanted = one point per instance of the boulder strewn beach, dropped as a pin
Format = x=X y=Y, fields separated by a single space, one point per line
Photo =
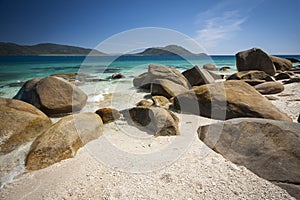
x=52 y=95
x=207 y=169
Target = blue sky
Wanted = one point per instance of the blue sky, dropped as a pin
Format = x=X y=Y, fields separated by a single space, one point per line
x=219 y=26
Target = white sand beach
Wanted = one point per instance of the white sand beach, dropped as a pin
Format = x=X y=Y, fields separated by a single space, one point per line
x=199 y=173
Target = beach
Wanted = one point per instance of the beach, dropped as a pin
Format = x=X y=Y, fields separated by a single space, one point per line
x=173 y=167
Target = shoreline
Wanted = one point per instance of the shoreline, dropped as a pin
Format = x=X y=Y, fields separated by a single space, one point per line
x=99 y=176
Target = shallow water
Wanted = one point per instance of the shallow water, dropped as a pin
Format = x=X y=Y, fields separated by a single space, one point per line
x=15 y=70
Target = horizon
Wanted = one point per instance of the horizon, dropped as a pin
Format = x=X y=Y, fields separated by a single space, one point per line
x=221 y=27
x=120 y=54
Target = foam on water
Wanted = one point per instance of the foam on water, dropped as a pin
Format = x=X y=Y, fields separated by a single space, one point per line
x=95 y=98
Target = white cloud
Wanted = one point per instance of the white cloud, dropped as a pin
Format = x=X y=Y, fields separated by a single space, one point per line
x=222 y=22
x=219 y=28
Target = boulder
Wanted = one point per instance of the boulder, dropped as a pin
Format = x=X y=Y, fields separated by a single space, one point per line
x=20 y=122
x=160 y=72
x=117 y=76
x=144 y=102
x=295 y=69
x=63 y=139
x=281 y=63
x=292 y=80
x=268 y=148
x=269 y=88
x=142 y=81
x=250 y=75
x=166 y=88
x=108 y=114
x=255 y=59
x=215 y=76
x=282 y=75
x=161 y=101
x=224 y=69
x=231 y=99
x=271 y=98
x=52 y=95
x=254 y=82
x=210 y=66
x=197 y=76
x=293 y=60
x=72 y=76
x=65 y=76
x=156 y=121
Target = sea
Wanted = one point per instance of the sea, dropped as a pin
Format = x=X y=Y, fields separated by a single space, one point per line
x=16 y=70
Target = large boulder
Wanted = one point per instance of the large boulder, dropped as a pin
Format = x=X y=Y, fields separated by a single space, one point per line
x=52 y=95
x=63 y=139
x=269 y=88
x=160 y=72
x=281 y=63
x=108 y=114
x=156 y=121
x=231 y=99
x=255 y=59
x=20 y=122
x=166 y=88
x=269 y=148
x=197 y=76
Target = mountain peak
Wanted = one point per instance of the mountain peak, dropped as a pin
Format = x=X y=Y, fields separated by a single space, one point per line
x=169 y=50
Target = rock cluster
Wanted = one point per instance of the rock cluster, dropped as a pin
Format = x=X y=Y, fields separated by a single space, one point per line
x=253 y=132
x=227 y=100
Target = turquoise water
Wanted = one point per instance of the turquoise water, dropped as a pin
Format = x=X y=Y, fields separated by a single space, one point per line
x=15 y=70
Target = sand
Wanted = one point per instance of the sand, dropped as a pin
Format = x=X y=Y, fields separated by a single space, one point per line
x=143 y=171
x=288 y=101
